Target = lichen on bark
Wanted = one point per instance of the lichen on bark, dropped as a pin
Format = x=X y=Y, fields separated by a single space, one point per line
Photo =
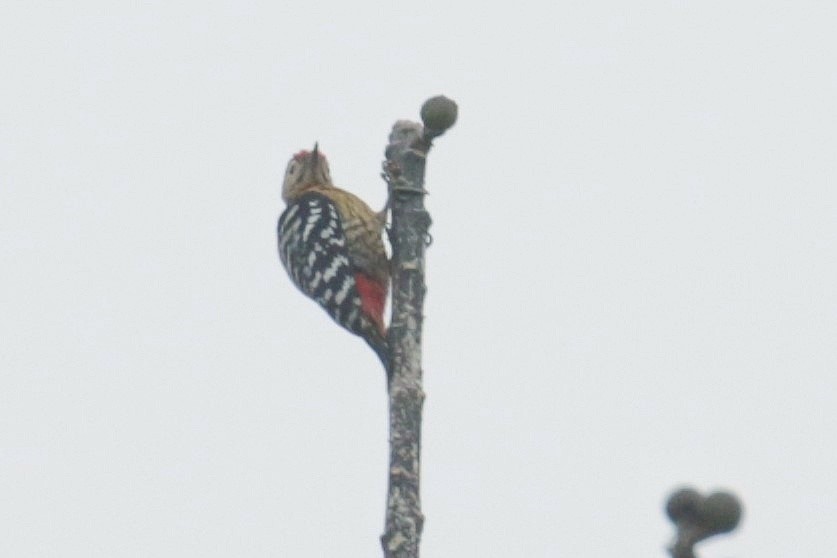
x=406 y=155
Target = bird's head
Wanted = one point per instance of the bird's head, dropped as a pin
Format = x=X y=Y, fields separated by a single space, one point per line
x=305 y=169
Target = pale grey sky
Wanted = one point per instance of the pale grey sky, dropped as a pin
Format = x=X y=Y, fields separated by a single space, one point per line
x=632 y=284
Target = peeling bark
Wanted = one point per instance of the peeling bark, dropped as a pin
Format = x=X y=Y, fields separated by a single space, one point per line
x=406 y=155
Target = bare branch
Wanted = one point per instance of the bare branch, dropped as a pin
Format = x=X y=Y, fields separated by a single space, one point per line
x=406 y=155
x=697 y=517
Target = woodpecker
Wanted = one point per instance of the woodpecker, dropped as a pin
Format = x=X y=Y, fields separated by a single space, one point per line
x=331 y=245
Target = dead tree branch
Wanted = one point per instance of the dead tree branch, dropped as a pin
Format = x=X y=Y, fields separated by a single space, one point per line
x=697 y=517
x=406 y=155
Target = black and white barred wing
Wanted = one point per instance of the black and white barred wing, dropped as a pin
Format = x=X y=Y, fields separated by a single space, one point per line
x=313 y=249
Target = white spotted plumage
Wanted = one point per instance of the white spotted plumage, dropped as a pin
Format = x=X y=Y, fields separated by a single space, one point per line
x=330 y=244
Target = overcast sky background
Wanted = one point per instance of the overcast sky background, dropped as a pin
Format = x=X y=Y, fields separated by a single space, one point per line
x=632 y=284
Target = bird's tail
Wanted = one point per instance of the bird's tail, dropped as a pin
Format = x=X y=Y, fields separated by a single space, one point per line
x=378 y=342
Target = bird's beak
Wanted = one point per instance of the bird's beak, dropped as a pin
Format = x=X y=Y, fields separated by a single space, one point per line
x=315 y=154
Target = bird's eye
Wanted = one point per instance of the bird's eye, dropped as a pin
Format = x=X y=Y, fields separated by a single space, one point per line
x=291 y=168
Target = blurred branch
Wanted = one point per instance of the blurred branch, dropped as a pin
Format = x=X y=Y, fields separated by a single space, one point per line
x=406 y=155
x=697 y=517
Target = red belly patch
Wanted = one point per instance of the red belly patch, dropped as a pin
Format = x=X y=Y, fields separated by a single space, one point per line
x=373 y=297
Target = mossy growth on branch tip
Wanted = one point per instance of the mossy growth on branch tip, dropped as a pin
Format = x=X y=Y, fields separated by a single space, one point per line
x=439 y=113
